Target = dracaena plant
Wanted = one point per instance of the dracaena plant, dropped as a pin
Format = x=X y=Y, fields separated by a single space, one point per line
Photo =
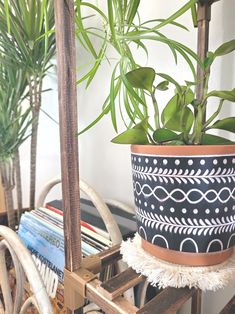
x=27 y=37
x=14 y=127
x=182 y=121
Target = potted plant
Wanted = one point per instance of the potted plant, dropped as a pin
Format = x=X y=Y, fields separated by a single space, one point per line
x=183 y=175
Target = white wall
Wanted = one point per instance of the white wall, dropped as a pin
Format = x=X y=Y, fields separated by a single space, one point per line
x=104 y=165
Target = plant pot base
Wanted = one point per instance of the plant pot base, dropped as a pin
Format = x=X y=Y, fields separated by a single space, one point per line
x=185 y=258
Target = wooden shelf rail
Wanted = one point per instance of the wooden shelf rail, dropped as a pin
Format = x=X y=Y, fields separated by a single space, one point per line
x=84 y=284
x=81 y=280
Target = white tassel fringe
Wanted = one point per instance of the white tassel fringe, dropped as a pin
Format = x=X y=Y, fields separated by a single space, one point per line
x=163 y=274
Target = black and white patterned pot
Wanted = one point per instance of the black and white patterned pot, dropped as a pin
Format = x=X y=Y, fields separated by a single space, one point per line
x=185 y=197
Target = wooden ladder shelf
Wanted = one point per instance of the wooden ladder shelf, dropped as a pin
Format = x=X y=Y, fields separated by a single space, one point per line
x=108 y=295
x=81 y=281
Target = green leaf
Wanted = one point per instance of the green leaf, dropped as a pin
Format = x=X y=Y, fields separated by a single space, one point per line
x=171 y=80
x=132 y=136
x=194 y=15
x=170 y=110
x=163 y=86
x=164 y=135
x=133 y=7
x=177 y=14
x=176 y=118
x=6 y=5
x=111 y=20
x=188 y=95
x=82 y=31
x=92 y=6
x=104 y=112
x=225 y=48
x=223 y=94
x=227 y=124
x=143 y=125
x=208 y=60
x=209 y=139
x=142 y=78
x=176 y=143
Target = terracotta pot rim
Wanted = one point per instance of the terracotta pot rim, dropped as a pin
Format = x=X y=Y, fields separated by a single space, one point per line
x=185 y=150
x=186 y=258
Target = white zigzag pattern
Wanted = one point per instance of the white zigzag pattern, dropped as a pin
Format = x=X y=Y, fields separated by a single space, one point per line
x=192 y=176
x=186 y=225
x=185 y=196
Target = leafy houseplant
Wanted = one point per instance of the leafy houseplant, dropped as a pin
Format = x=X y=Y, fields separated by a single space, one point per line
x=183 y=176
x=182 y=121
x=27 y=38
x=14 y=125
x=122 y=31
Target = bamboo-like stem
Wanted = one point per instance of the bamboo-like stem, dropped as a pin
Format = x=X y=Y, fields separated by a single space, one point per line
x=204 y=16
x=35 y=90
x=17 y=168
x=8 y=184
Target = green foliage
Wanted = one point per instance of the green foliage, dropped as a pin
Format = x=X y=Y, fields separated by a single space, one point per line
x=164 y=135
x=123 y=31
x=14 y=121
x=181 y=122
x=26 y=34
x=182 y=119
x=142 y=78
x=227 y=124
x=225 y=48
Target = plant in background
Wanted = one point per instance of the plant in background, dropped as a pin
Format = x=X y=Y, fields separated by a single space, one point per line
x=123 y=31
x=182 y=119
x=14 y=125
x=27 y=38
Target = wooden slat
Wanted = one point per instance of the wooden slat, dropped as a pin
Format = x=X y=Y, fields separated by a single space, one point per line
x=110 y=256
x=196 y=302
x=67 y=89
x=168 y=301
x=66 y=64
x=230 y=307
x=118 y=306
x=120 y=283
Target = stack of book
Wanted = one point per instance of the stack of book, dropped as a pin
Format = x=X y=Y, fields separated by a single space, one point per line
x=41 y=230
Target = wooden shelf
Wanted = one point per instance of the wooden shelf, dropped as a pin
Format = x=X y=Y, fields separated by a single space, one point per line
x=81 y=282
x=108 y=295
x=230 y=307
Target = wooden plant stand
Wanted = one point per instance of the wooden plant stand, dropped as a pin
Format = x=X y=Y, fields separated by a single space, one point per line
x=81 y=275
x=84 y=284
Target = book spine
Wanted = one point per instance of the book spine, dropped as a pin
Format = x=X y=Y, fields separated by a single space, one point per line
x=54 y=209
x=39 y=233
x=60 y=213
x=44 y=223
x=96 y=236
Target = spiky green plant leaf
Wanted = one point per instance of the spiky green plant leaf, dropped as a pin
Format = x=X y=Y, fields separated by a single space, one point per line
x=225 y=48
